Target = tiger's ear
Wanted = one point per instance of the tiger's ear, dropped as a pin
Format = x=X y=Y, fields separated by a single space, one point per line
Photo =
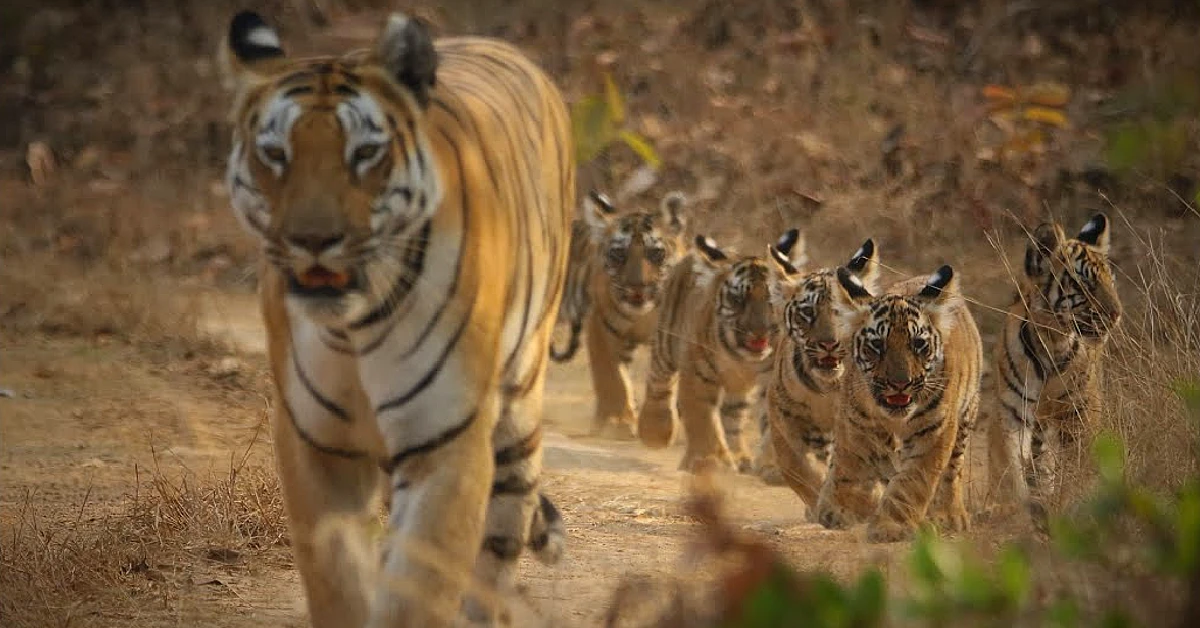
x=671 y=208
x=406 y=51
x=850 y=300
x=597 y=212
x=1046 y=240
x=940 y=295
x=864 y=264
x=709 y=251
x=1095 y=233
x=249 y=51
x=789 y=252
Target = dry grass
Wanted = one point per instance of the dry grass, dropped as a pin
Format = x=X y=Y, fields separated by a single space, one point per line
x=101 y=562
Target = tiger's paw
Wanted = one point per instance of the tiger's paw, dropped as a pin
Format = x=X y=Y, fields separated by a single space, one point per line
x=656 y=427
x=831 y=517
x=695 y=462
x=956 y=520
x=886 y=531
x=616 y=428
x=769 y=473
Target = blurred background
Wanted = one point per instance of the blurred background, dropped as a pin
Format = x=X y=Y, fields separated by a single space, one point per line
x=945 y=130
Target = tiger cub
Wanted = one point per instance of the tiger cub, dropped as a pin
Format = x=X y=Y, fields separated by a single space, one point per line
x=1048 y=359
x=614 y=282
x=909 y=399
x=717 y=329
x=804 y=390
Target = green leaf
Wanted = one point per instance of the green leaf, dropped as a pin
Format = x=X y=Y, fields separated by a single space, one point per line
x=869 y=599
x=640 y=146
x=1072 y=539
x=1015 y=576
x=1188 y=390
x=1063 y=613
x=924 y=565
x=612 y=96
x=591 y=127
x=1109 y=455
x=1116 y=619
x=1187 y=529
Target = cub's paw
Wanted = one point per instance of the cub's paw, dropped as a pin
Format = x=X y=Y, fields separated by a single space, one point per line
x=769 y=473
x=956 y=520
x=831 y=516
x=884 y=531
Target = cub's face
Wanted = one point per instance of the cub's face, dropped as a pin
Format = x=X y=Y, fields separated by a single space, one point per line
x=750 y=293
x=637 y=249
x=329 y=167
x=1072 y=279
x=810 y=320
x=897 y=341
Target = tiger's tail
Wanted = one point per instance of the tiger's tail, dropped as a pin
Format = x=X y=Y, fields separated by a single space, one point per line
x=572 y=344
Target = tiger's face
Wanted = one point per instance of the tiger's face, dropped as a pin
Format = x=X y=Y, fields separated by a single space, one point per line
x=810 y=320
x=750 y=293
x=636 y=249
x=1071 y=278
x=329 y=165
x=897 y=340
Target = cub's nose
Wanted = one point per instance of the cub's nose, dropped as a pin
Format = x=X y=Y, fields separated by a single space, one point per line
x=829 y=346
x=315 y=243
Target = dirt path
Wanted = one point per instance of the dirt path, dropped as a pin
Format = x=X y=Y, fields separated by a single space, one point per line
x=86 y=417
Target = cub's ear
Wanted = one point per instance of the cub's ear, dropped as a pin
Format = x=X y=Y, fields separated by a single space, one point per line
x=598 y=211
x=940 y=294
x=671 y=208
x=249 y=49
x=794 y=246
x=850 y=300
x=406 y=50
x=864 y=264
x=709 y=251
x=1047 y=238
x=1095 y=233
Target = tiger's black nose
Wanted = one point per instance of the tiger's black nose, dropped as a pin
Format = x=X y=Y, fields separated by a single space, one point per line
x=315 y=243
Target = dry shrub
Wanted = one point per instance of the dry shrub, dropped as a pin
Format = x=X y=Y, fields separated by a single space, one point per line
x=101 y=563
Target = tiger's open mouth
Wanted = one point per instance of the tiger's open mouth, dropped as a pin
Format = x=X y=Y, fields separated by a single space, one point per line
x=757 y=344
x=828 y=362
x=897 y=400
x=318 y=281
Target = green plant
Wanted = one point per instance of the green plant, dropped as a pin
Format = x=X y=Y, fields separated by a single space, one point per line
x=598 y=121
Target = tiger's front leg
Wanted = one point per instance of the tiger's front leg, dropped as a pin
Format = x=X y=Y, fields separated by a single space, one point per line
x=440 y=485
x=699 y=398
x=923 y=459
x=614 y=416
x=848 y=494
x=735 y=410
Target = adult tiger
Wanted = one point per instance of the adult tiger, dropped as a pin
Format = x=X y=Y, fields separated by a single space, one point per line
x=804 y=392
x=1048 y=359
x=718 y=325
x=910 y=396
x=413 y=204
x=618 y=274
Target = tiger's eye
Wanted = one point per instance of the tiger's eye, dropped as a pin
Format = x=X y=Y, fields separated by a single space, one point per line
x=275 y=154
x=365 y=152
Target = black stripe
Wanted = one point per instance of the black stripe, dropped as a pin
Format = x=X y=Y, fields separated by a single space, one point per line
x=324 y=401
x=1017 y=387
x=444 y=438
x=1028 y=347
x=513 y=486
x=1062 y=363
x=609 y=326
x=414 y=263
x=520 y=450
x=452 y=289
x=802 y=373
x=734 y=406
x=432 y=373
x=308 y=440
